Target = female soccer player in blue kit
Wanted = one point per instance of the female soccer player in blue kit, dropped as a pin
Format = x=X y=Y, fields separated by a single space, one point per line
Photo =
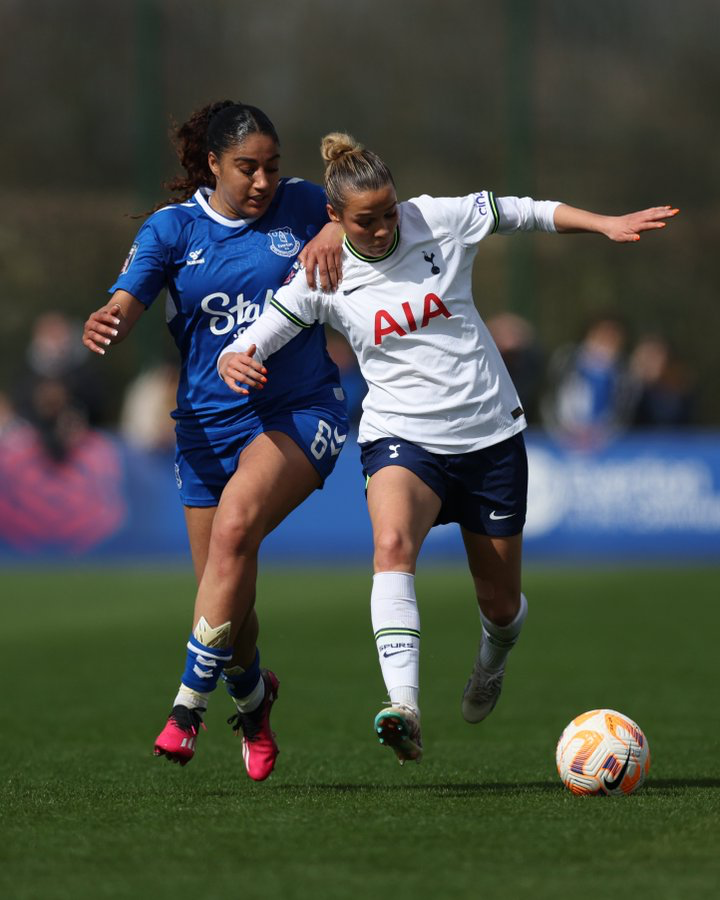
x=242 y=463
x=441 y=432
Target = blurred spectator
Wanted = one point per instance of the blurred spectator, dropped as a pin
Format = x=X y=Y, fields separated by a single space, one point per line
x=60 y=480
x=56 y=355
x=145 y=416
x=59 y=422
x=664 y=386
x=590 y=395
x=515 y=339
x=353 y=383
x=8 y=417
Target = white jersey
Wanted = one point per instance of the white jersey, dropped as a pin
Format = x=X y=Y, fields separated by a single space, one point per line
x=434 y=374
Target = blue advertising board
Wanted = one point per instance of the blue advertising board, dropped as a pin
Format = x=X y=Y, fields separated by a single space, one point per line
x=646 y=497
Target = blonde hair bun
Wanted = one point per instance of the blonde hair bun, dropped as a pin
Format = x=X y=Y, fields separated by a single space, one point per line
x=337 y=144
x=350 y=168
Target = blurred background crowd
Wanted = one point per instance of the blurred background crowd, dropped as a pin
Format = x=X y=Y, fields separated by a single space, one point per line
x=583 y=393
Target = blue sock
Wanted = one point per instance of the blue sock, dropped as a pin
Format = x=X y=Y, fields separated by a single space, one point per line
x=204 y=665
x=241 y=682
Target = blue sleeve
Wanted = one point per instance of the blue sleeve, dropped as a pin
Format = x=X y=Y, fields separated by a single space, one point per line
x=314 y=205
x=144 y=273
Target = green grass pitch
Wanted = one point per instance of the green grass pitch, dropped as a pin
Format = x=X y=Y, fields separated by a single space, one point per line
x=91 y=661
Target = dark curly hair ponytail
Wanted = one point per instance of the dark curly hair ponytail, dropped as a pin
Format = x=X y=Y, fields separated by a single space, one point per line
x=216 y=127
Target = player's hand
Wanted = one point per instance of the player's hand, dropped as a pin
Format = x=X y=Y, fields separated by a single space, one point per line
x=324 y=253
x=629 y=227
x=241 y=367
x=103 y=327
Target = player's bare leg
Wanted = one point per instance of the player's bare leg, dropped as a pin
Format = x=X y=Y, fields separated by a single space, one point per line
x=178 y=739
x=495 y=565
x=402 y=511
x=273 y=476
x=199 y=522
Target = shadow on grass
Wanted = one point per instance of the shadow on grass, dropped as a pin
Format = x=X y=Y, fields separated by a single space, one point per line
x=670 y=784
x=442 y=790
x=465 y=789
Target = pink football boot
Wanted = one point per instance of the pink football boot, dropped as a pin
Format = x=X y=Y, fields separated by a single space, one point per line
x=178 y=738
x=259 y=749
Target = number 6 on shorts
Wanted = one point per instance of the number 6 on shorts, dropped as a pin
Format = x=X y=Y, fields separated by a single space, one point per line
x=324 y=436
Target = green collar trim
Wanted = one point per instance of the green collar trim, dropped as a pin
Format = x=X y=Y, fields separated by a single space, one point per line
x=373 y=259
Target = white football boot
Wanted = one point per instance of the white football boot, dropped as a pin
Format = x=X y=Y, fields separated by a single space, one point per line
x=398 y=727
x=481 y=692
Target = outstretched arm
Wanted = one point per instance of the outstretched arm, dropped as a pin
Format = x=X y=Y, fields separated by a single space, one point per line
x=617 y=228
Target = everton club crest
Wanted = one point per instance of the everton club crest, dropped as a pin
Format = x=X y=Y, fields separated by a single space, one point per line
x=283 y=242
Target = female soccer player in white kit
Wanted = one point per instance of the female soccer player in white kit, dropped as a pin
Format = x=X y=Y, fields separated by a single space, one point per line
x=441 y=432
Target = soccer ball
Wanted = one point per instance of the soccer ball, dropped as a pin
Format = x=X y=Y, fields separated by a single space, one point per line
x=602 y=752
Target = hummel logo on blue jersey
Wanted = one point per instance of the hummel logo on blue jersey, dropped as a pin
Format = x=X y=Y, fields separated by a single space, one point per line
x=195 y=257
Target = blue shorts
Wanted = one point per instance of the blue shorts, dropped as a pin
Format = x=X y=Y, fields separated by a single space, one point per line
x=205 y=463
x=484 y=491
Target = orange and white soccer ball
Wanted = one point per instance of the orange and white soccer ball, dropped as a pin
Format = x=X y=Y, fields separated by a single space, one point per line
x=602 y=752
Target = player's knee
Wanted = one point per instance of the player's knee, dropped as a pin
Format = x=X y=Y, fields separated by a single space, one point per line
x=234 y=535
x=394 y=550
x=499 y=604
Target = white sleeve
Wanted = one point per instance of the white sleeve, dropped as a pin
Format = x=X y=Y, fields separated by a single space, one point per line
x=471 y=218
x=468 y=219
x=525 y=214
x=292 y=309
x=269 y=333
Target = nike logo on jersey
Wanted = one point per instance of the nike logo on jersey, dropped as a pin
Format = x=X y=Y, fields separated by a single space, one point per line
x=496 y=518
x=352 y=290
x=616 y=782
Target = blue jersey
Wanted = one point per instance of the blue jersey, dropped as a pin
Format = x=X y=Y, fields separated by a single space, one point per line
x=219 y=273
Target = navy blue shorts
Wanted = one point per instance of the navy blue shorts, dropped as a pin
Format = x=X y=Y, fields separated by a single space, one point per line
x=484 y=491
x=204 y=464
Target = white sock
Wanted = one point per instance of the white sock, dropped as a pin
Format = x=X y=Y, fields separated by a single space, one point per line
x=253 y=699
x=396 y=625
x=498 y=640
x=192 y=699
